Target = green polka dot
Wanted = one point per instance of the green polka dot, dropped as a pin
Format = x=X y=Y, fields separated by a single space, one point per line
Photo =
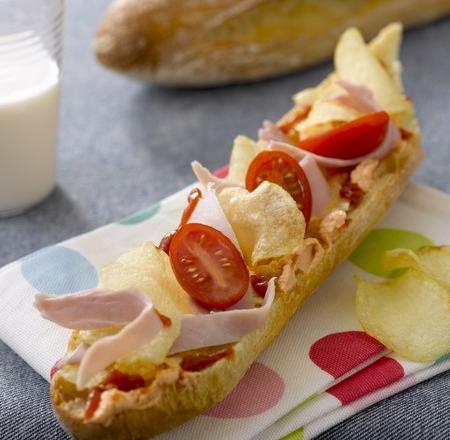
x=295 y=435
x=140 y=216
x=368 y=256
x=444 y=358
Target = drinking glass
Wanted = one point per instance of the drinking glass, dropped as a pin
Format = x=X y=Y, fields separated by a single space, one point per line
x=30 y=60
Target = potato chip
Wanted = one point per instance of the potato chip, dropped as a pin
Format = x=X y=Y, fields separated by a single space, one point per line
x=307 y=97
x=323 y=116
x=410 y=314
x=354 y=62
x=244 y=151
x=266 y=221
x=386 y=47
x=434 y=260
x=147 y=268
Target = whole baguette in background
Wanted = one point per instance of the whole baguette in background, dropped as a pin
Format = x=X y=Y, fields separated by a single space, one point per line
x=197 y=43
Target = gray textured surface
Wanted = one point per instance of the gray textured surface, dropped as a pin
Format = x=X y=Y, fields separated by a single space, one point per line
x=124 y=145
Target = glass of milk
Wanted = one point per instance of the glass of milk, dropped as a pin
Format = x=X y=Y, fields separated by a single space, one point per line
x=30 y=52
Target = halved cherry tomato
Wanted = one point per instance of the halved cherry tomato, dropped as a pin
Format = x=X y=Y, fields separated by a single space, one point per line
x=280 y=168
x=194 y=196
x=350 y=140
x=208 y=266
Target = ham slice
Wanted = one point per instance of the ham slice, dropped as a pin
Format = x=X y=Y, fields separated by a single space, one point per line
x=74 y=357
x=197 y=331
x=99 y=308
x=205 y=177
x=358 y=97
x=320 y=189
x=209 y=212
x=218 y=328
x=91 y=309
x=270 y=132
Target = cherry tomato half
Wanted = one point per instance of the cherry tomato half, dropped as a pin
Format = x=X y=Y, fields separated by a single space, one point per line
x=208 y=266
x=350 y=140
x=280 y=168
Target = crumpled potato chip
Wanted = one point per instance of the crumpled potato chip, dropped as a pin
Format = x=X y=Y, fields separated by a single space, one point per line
x=323 y=113
x=410 y=314
x=386 y=47
x=434 y=260
x=148 y=269
x=243 y=152
x=355 y=62
x=266 y=221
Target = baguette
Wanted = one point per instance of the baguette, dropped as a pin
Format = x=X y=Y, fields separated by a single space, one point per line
x=174 y=395
x=188 y=43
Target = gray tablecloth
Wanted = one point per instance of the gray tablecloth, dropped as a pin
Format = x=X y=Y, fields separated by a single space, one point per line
x=124 y=145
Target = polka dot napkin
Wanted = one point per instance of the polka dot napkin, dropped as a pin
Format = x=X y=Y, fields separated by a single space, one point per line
x=320 y=370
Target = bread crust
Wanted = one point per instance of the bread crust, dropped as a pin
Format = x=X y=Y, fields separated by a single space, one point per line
x=231 y=42
x=175 y=399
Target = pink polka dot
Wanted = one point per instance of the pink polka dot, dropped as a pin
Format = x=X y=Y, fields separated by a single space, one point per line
x=339 y=353
x=377 y=375
x=258 y=391
x=221 y=172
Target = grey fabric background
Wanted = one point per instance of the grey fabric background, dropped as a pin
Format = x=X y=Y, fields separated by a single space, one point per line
x=124 y=145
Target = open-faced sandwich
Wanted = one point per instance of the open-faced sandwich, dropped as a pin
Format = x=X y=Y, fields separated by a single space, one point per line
x=174 y=326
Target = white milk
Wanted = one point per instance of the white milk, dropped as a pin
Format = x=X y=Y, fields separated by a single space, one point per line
x=29 y=96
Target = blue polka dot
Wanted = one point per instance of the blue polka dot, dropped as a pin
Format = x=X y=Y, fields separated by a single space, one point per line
x=57 y=270
x=141 y=216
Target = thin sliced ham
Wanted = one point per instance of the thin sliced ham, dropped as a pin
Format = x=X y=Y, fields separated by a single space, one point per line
x=357 y=97
x=270 y=132
x=217 y=328
x=99 y=308
x=74 y=357
x=209 y=212
x=91 y=309
x=105 y=351
x=320 y=189
x=197 y=331
x=206 y=178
